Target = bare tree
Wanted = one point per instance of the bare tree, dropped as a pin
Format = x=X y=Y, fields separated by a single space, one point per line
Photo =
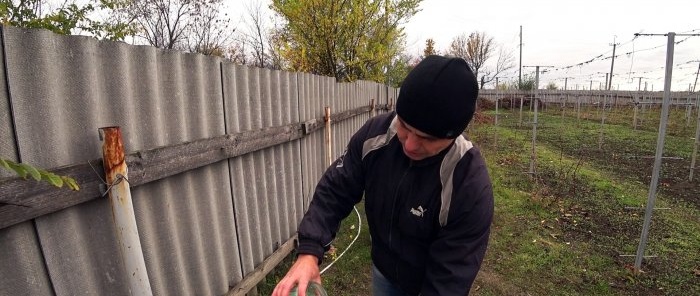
x=477 y=49
x=236 y=53
x=256 y=37
x=503 y=64
x=210 y=33
x=193 y=25
x=162 y=23
x=458 y=47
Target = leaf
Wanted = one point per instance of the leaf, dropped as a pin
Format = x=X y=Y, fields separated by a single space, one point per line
x=18 y=169
x=23 y=170
x=4 y=164
x=54 y=179
x=71 y=183
x=32 y=171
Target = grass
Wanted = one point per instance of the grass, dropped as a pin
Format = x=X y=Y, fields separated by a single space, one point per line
x=351 y=273
x=562 y=231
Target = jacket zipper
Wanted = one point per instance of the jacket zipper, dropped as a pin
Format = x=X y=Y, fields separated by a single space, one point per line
x=393 y=208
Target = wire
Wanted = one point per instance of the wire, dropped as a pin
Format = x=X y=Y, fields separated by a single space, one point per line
x=359 y=221
x=629 y=74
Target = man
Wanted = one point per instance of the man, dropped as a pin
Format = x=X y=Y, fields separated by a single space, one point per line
x=428 y=196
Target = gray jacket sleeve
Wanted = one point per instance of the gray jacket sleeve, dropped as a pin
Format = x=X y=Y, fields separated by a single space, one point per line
x=459 y=248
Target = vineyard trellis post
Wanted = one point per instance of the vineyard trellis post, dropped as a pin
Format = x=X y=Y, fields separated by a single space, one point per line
x=495 y=122
x=497 y=99
x=636 y=110
x=644 y=108
x=520 y=121
x=696 y=142
x=659 y=152
x=688 y=110
x=533 y=155
x=602 y=123
x=578 y=106
x=562 y=105
x=597 y=114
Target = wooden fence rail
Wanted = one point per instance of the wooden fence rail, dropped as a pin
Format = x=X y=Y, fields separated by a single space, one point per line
x=24 y=200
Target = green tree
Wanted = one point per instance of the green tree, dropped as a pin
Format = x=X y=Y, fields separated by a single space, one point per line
x=349 y=40
x=398 y=69
x=527 y=83
x=552 y=86
x=68 y=19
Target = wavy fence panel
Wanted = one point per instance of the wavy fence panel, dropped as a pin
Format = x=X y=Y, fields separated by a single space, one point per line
x=158 y=98
x=202 y=231
x=266 y=185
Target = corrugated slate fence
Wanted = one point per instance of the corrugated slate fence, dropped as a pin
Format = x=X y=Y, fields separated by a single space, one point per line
x=222 y=161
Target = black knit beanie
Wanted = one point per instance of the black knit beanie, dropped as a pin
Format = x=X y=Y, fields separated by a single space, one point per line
x=438 y=96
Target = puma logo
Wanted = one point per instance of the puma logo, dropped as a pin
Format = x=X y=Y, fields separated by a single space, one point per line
x=419 y=212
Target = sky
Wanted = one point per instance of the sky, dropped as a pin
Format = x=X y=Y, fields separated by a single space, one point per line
x=571 y=39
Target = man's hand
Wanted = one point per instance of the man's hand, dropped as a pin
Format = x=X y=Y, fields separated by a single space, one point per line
x=305 y=269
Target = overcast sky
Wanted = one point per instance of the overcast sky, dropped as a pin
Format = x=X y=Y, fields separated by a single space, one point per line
x=566 y=33
x=570 y=32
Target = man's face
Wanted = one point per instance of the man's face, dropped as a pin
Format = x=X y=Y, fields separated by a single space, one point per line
x=418 y=145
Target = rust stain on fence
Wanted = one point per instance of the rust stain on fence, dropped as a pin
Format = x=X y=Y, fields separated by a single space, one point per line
x=112 y=149
x=114 y=158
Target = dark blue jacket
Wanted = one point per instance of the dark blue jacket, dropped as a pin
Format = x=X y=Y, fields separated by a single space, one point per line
x=429 y=219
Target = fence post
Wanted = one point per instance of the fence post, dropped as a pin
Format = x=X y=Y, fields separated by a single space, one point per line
x=329 y=153
x=602 y=123
x=659 y=153
x=520 y=122
x=697 y=141
x=636 y=110
x=533 y=155
x=688 y=111
x=116 y=173
x=562 y=105
x=578 y=107
x=495 y=122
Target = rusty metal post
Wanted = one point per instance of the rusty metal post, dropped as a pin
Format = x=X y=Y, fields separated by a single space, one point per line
x=116 y=174
x=329 y=145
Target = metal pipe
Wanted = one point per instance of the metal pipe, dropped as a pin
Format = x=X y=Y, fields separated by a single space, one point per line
x=116 y=173
x=659 y=153
x=533 y=155
x=697 y=142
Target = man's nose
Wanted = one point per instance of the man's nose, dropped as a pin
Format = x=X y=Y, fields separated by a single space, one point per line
x=412 y=142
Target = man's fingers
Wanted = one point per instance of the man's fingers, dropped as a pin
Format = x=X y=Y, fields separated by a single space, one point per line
x=284 y=288
x=301 y=289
